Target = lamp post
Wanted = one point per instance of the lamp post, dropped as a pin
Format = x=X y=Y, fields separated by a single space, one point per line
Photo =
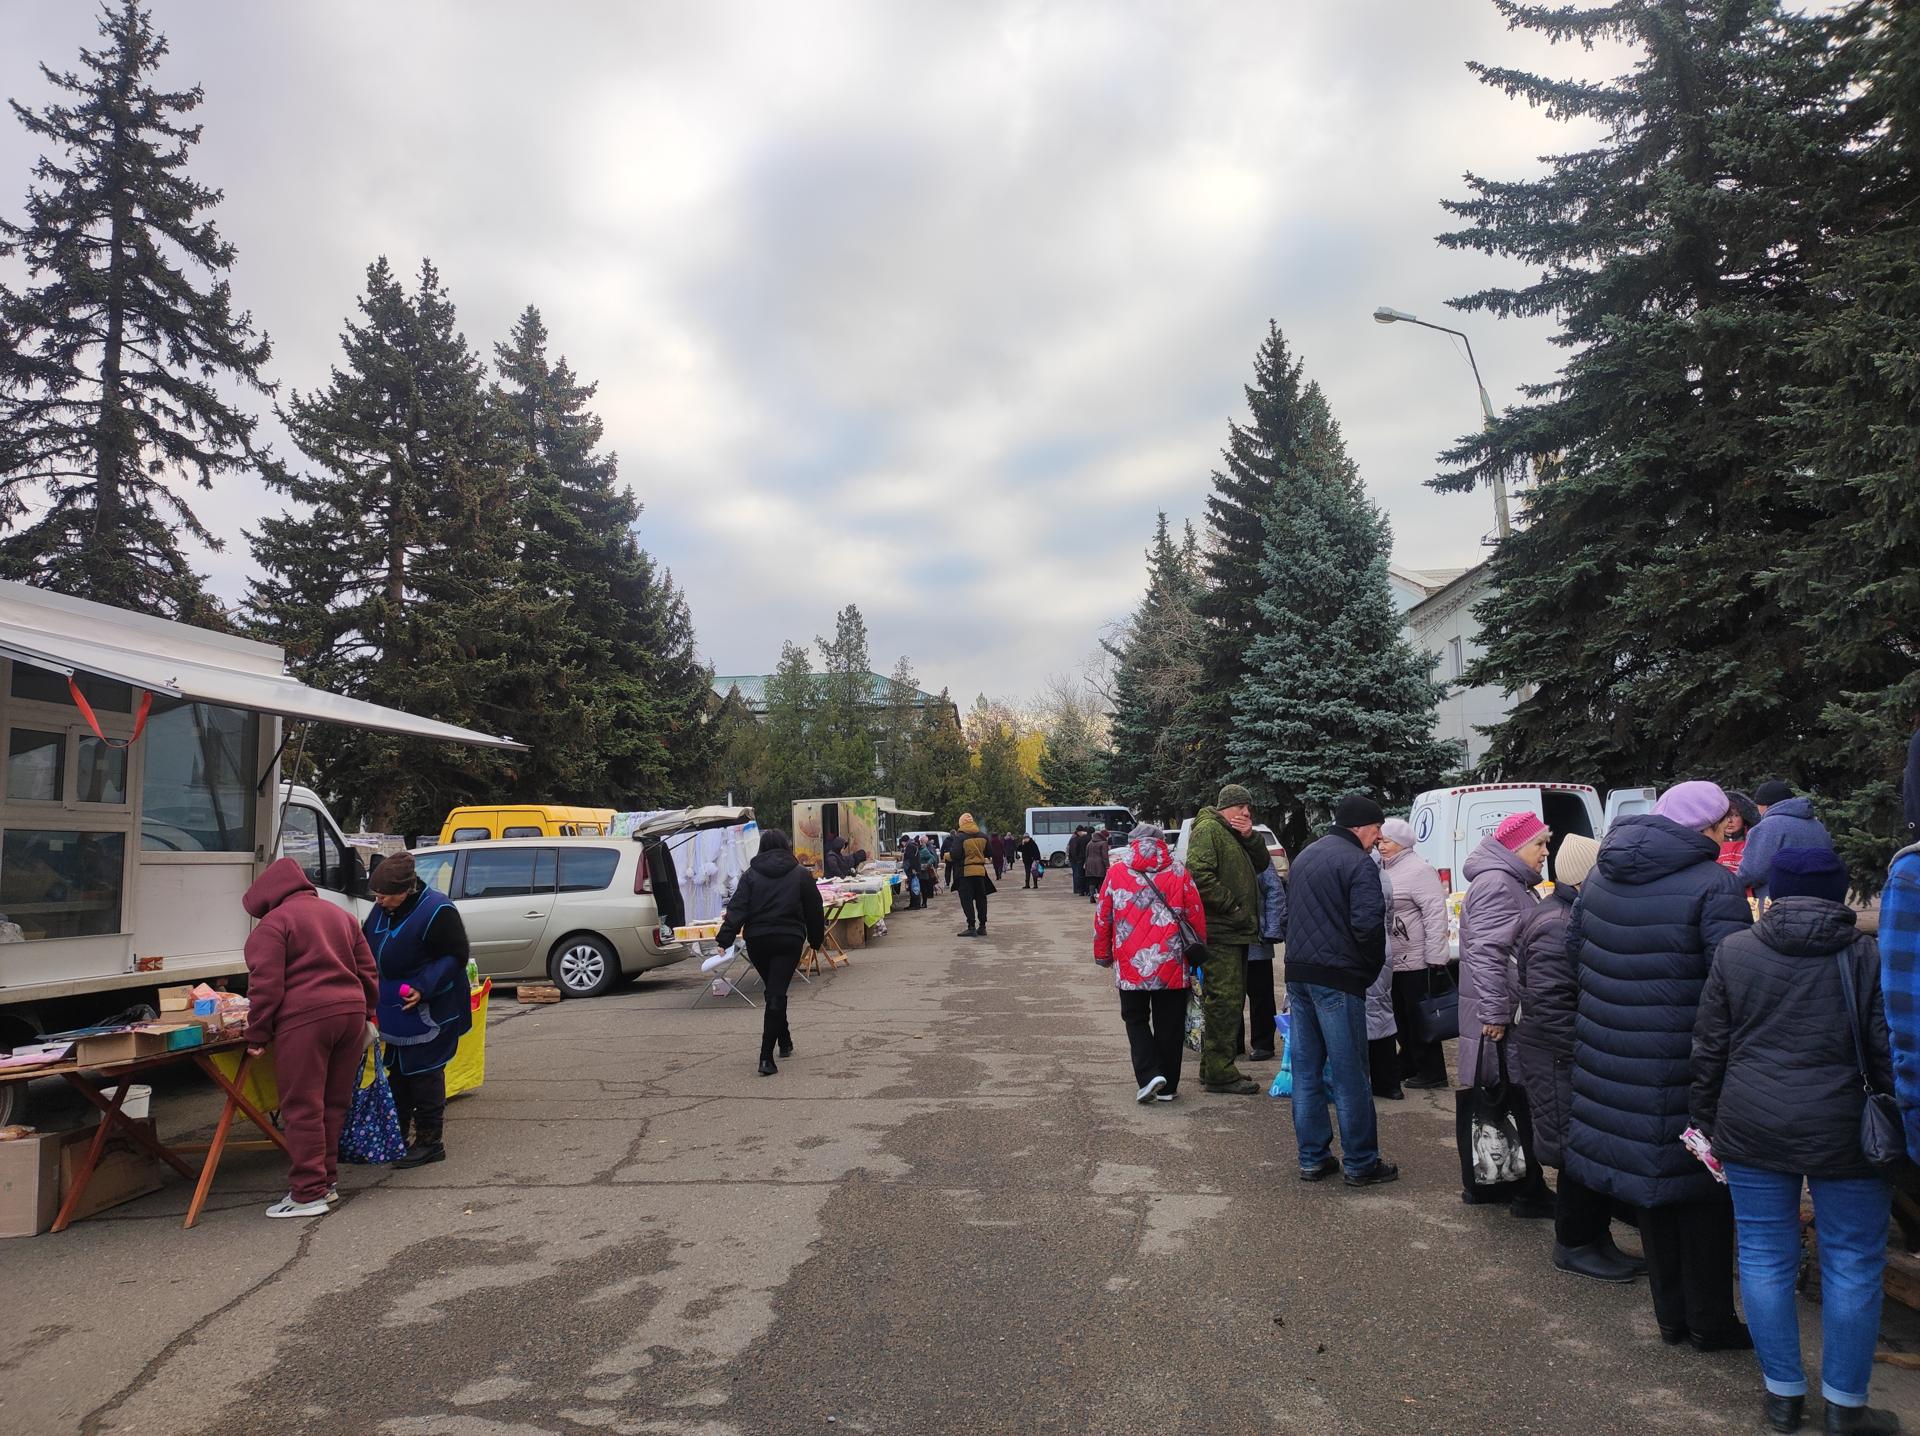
x=1384 y=315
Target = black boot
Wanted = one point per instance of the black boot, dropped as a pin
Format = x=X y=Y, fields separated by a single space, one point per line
x=420 y=1154
x=1591 y=1261
x=1727 y=1338
x=1785 y=1413
x=971 y=931
x=767 y=1069
x=1606 y=1245
x=1860 y=1421
x=786 y=1045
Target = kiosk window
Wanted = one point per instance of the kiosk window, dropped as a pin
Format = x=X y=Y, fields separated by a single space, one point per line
x=62 y=884
x=41 y=685
x=102 y=773
x=36 y=766
x=196 y=787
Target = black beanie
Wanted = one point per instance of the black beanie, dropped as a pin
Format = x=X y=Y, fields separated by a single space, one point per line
x=1357 y=810
x=1807 y=872
x=1770 y=792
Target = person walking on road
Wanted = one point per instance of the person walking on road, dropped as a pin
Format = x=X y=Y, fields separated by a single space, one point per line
x=1099 y=847
x=1417 y=947
x=420 y=947
x=1501 y=874
x=1777 y=1090
x=971 y=861
x=1136 y=932
x=1225 y=856
x=313 y=993
x=1785 y=822
x=1542 y=1041
x=1077 y=859
x=1030 y=861
x=777 y=905
x=1644 y=931
x=1336 y=946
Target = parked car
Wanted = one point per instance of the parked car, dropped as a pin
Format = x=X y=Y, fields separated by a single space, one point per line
x=524 y=820
x=1275 y=853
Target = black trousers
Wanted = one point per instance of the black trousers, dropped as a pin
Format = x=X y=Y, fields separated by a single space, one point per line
x=775 y=962
x=973 y=901
x=1383 y=1066
x=1261 y=1005
x=420 y=1101
x=1156 y=1033
x=1581 y=1216
x=1417 y=1058
x=1689 y=1251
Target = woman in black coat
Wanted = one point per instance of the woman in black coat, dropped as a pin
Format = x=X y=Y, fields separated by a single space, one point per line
x=1644 y=933
x=1542 y=1040
x=1777 y=1090
x=777 y=905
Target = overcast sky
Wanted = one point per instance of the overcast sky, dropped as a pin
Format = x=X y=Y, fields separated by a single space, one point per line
x=924 y=307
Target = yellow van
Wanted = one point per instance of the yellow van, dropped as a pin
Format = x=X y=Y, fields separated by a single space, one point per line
x=525 y=820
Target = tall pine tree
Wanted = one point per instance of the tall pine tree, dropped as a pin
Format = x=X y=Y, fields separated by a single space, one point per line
x=899 y=728
x=941 y=768
x=1335 y=701
x=999 y=793
x=791 y=724
x=393 y=579
x=1074 y=764
x=1159 y=668
x=845 y=732
x=118 y=355
x=1677 y=253
x=1256 y=455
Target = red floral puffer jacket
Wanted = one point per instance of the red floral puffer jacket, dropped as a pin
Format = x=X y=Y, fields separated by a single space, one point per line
x=1136 y=936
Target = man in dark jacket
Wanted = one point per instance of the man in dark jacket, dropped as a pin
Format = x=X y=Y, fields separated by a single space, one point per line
x=1077 y=859
x=1225 y=856
x=1644 y=931
x=777 y=905
x=1785 y=822
x=1336 y=946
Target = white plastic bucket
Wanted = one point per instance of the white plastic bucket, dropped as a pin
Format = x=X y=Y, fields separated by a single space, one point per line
x=138 y=1097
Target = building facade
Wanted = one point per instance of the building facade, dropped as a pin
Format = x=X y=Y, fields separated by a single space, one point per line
x=1437 y=609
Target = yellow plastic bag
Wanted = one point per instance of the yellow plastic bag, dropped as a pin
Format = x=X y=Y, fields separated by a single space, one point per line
x=468 y=1069
x=261 y=1087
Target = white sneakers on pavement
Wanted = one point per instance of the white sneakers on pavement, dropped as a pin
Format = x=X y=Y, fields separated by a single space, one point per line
x=1152 y=1090
x=288 y=1207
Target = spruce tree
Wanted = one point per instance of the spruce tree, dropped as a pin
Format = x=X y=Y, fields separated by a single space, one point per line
x=737 y=759
x=1256 y=455
x=1630 y=612
x=1851 y=577
x=626 y=695
x=791 y=722
x=119 y=354
x=942 y=767
x=1159 y=669
x=393 y=579
x=1336 y=701
x=1073 y=766
x=845 y=731
x=999 y=793
x=899 y=728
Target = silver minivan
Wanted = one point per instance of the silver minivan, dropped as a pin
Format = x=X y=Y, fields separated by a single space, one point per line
x=583 y=913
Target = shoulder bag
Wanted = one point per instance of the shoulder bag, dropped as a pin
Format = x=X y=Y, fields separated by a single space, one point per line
x=1883 y=1139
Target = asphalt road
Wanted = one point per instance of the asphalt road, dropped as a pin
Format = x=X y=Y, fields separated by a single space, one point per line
x=946 y=1214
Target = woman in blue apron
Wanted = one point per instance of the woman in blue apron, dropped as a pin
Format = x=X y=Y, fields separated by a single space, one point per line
x=420 y=944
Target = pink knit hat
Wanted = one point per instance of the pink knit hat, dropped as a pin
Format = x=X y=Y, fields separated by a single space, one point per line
x=1516 y=830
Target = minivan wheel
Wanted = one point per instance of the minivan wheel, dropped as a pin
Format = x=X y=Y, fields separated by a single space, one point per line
x=584 y=966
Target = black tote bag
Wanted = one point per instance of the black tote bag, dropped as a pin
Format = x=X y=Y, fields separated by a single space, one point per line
x=1493 y=1129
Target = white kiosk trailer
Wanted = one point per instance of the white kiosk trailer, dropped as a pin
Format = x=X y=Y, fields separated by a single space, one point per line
x=142 y=796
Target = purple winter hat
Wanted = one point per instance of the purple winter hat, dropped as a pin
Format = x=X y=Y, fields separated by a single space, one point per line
x=1697 y=805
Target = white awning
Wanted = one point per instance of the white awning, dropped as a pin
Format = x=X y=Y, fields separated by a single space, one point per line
x=69 y=635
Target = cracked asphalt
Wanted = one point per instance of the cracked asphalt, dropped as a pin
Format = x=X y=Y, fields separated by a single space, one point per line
x=946 y=1214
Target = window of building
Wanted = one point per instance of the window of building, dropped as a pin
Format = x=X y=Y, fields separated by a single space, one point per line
x=1456 y=657
x=100 y=772
x=196 y=786
x=36 y=766
x=62 y=884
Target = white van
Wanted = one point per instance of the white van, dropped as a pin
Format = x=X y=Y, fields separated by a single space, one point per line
x=1449 y=823
x=1276 y=854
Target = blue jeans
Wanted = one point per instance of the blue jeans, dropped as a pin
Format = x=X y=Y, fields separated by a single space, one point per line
x=1329 y=1029
x=1850 y=1215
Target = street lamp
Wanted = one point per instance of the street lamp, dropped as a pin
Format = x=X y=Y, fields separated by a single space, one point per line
x=1385 y=315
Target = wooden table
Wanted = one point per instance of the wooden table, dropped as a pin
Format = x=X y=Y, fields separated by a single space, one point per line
x=119 y=1077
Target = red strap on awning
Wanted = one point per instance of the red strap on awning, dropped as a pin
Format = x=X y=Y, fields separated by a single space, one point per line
x=86 y=711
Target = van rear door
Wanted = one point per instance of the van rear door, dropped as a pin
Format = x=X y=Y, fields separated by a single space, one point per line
x=1481 y=813
x=1623 y=802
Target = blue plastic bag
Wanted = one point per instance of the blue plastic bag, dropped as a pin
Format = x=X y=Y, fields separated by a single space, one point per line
x=1283 y=1079
x=372 y=1134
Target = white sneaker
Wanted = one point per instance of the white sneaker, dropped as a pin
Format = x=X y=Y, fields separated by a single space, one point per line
x=1164 y=1096
x=288 y=1207
x=332 y=1196
x=1151 y=1090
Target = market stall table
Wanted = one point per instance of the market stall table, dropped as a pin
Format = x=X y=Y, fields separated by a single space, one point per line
x=120 y=1076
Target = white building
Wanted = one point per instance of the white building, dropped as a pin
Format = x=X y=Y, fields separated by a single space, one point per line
x=1437 y=607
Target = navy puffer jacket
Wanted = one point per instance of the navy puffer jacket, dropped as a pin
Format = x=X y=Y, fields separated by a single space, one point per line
x=1776 y=1083
x=1643 y=934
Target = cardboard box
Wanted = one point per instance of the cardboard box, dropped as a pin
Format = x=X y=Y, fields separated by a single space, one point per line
x=117 y=1047
x=853 y=932
x=125 y=1172
x=176 y=999
x=29 y=1184
x=186 y=1033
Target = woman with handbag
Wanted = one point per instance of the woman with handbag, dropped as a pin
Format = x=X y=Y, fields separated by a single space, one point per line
x=311 y=990
x=1417 y=951
x=421 y=947
x=1147 y=917
x=1790 y=1040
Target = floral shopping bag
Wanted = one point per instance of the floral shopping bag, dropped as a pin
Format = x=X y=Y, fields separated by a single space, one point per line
x=372 y=1134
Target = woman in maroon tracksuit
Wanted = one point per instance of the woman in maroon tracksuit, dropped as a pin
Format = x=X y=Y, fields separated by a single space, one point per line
x=312 y=991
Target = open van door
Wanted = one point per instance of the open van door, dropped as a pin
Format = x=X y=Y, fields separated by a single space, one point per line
x=1624 y=802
